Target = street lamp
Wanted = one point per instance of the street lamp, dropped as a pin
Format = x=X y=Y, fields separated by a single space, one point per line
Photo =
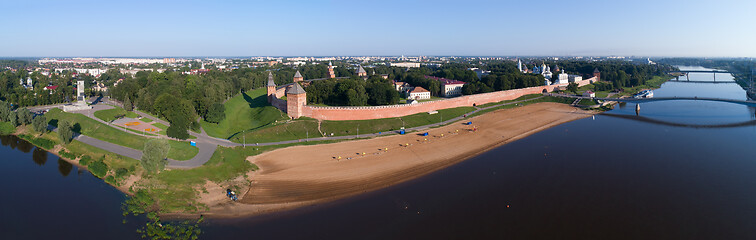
x=244 y=136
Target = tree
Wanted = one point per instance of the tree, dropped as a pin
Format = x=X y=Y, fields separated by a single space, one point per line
x=179 y=126
x=13 y=118
x=40 y=124
x=127 y=104
x=24 y=116
x=155 y=155
x=65 y=131
x=572 y=87
x=216 y=113
x=5 y=110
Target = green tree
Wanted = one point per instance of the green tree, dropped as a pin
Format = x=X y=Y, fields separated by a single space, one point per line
x=179 y=126
x=216 y=113
x=572 y=87
x=13 y=118
x=154 y=155
x=40 y=124
x=65 y=131
x=24 y=116
x=5 y=110
x=127 y=104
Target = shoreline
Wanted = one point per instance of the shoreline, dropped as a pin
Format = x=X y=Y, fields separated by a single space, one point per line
x=303 y=176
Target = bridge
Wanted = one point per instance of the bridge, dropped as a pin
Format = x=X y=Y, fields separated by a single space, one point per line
x=685 y=72
x=688 y=81
x=657 y=99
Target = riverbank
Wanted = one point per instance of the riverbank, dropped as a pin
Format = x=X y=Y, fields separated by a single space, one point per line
x=306 y=175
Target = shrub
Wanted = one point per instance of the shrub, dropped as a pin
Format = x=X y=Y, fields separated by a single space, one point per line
x=7 y=128
x=85 y=160
x=111 y=180
x=98 y=168
x=68 y=155
x=121 y=173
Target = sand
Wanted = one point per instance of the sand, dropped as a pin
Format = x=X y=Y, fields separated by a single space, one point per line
x=306 y=175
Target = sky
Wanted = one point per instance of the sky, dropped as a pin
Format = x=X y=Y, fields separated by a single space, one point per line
x=685 y=28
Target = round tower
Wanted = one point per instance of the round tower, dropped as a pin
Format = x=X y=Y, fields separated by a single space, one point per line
x=298 y=77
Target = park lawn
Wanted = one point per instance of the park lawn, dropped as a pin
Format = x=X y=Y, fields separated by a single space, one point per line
x=292 y=130
x=90 y=127
x=538 y=100
x=160 y=125
x=587 y=102
x=147 y=120
x=110 y=114
x=342 y=128
x=524 y=97
x=114 y=161
x=182 y=150
x=244 y=111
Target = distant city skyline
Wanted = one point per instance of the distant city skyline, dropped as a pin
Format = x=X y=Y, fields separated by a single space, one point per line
x=388 y=28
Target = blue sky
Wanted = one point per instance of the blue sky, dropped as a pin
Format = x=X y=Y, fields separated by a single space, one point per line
x=723 y=28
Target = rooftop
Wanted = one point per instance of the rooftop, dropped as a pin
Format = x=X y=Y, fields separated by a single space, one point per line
x=295 y=89
x=445 y=81
x=418 y=90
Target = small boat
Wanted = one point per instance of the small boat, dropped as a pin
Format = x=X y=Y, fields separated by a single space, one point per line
x=644 y=94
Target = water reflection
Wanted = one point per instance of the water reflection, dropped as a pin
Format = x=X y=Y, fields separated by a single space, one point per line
x=674 y=124
x=64 y=167
x=24 y=146
x=39 y=156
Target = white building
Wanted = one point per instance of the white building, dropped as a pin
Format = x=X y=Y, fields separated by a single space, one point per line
x=419 y=93
x=562 y=78
x=589 y=93
x=406 y=64
x=575 y=78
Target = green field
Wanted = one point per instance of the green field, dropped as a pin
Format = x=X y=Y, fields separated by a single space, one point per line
x=587 y=102
x=543 y=99
x=524 y=97
x=110 y=114
x=90 y=127
x=299 y=129
x=245 y=111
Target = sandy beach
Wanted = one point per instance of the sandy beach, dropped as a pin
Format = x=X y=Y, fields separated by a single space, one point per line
x=306 y=175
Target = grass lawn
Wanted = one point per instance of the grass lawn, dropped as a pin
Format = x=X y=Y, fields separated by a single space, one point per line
x=587 y=102
x=90 y=127
x=147 y=120
x=245 y=111
x=297 y=129
x=543 y=99
x=524 y=97
x=110 y=114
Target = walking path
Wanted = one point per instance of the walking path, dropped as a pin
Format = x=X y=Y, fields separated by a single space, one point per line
x=207 y=144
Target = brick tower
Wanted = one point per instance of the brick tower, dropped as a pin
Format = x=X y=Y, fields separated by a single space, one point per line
x=597 y=74
x=331 y=74
x=271 y=87
x=296 y=99
x=298 y=77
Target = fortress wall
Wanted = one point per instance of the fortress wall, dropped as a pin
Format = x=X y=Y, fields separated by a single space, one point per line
x=375 y=112
x=279 y=103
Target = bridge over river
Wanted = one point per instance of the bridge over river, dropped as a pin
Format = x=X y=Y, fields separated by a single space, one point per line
x=656 y=99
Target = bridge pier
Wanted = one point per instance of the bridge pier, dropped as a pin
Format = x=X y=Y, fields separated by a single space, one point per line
x=687 y=76
x=715 y=77
x=637 y=108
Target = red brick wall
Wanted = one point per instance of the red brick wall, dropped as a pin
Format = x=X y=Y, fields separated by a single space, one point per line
x=374 y=112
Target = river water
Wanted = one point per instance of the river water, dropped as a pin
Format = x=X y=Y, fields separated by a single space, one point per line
x=678 y=170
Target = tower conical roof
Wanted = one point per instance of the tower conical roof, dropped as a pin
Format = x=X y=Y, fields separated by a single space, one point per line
x=596 y=70
x=270 y=80
x=295 y=89
x=361 y=70
x=297 y=75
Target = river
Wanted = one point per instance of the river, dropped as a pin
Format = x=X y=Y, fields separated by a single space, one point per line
x=678 y=170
